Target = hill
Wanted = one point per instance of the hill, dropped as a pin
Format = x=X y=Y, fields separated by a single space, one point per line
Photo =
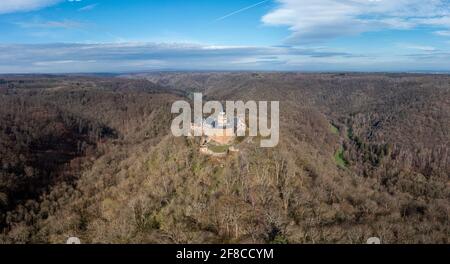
x=360 y=155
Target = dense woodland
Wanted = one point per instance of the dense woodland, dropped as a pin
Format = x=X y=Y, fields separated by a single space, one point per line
x=360 y=155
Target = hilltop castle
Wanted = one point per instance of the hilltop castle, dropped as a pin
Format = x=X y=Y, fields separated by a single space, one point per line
x=220 y=130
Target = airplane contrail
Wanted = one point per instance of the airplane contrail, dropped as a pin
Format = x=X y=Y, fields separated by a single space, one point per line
x=241 y=10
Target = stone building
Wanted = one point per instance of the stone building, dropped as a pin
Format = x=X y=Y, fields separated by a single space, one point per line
x=220 y=130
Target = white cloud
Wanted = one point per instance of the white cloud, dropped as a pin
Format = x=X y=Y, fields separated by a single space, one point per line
x=318 y=20
x=66 y=24
x=443 y=33
x=11 y=6
x=88 y=7
x=419 y=47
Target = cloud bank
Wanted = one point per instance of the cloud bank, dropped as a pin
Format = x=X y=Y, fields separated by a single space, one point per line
x=129 y=57
x=319 y=20
x=10 y=6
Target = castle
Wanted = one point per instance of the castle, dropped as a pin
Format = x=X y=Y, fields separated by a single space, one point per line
x=220 y=130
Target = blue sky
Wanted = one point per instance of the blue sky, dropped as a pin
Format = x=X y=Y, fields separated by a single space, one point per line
x=56 y=36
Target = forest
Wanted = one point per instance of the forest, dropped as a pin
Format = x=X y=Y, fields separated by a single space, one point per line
x=360 y=155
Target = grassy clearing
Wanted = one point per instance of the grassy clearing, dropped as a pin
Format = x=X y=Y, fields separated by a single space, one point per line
x=218 y=149
x=334 y=129
x=339 y=158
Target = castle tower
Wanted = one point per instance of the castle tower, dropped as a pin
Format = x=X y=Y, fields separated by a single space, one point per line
x=222 y=120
